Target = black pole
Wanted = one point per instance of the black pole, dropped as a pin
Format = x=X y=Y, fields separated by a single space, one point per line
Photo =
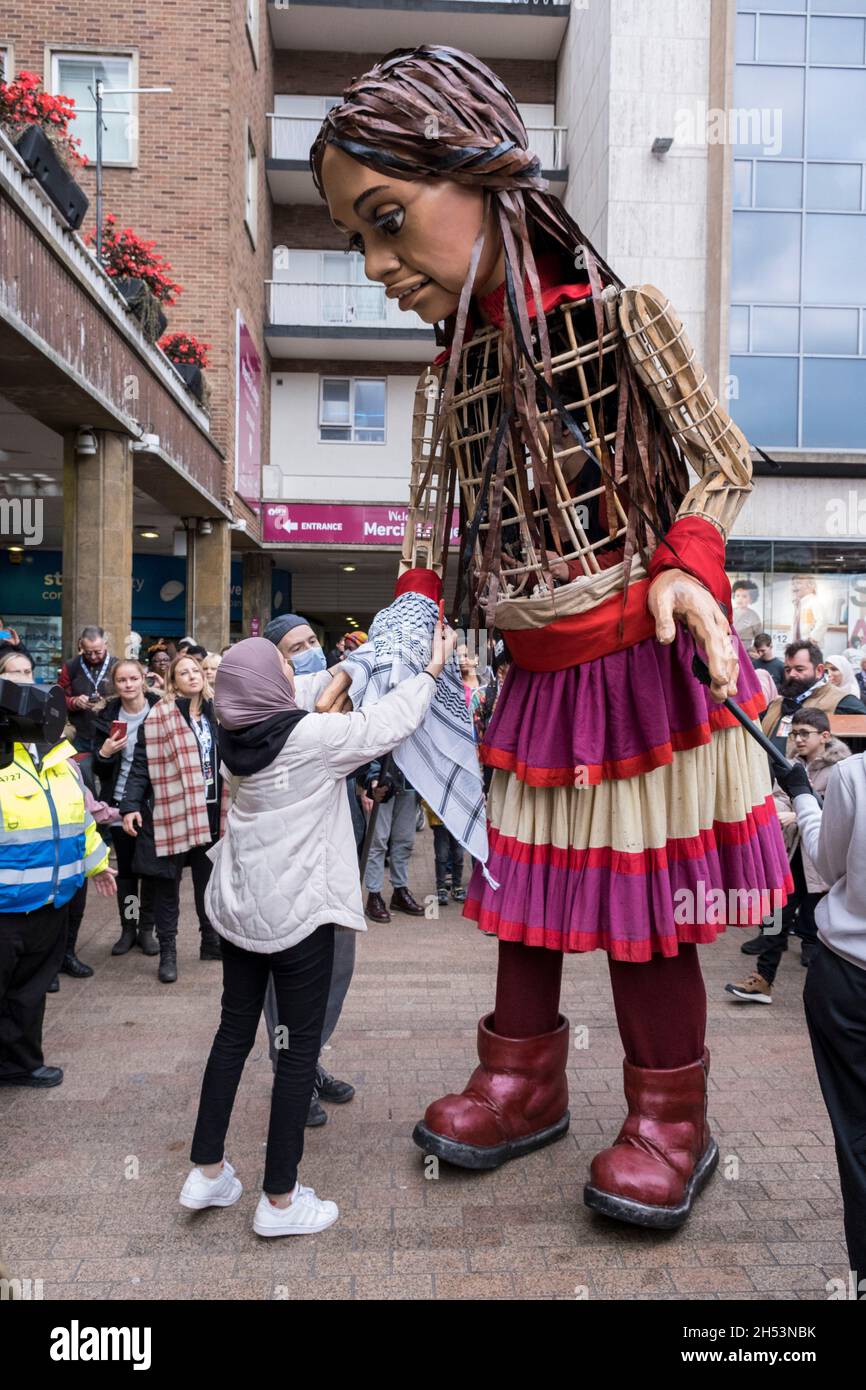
x=701 y=670
x=99 y=198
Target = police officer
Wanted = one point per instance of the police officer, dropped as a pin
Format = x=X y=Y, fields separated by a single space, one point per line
x=49 y=844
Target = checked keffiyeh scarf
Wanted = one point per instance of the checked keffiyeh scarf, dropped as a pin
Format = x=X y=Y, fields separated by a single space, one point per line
x=439 y=759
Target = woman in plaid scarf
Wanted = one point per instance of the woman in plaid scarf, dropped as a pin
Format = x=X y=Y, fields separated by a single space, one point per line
x=171 y=804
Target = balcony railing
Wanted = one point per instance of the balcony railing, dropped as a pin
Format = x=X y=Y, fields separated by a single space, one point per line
x=292 y=136
x=335 y=304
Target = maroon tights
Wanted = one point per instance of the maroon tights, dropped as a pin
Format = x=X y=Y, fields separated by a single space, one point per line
x=661 y=1004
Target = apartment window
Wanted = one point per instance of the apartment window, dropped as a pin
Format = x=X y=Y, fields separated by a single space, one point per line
x=75 y=75
x=798 y=283
x=347 y=295
x=251 y=205
x=5 y=63
x=252 y=7
x=352 y=410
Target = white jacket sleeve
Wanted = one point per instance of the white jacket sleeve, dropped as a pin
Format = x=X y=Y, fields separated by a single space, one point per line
x=826 y=834
x=309 y=688
x=350 y=740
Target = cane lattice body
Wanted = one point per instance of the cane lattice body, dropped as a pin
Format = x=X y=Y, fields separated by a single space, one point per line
x=587 y=371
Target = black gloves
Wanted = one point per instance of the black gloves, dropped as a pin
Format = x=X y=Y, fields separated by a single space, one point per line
x=796 y=782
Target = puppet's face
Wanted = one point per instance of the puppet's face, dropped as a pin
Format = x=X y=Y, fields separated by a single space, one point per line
x=416 y=235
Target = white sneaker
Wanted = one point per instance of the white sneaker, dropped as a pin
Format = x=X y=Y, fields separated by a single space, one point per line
x=199 y=1192
x=304 y=1216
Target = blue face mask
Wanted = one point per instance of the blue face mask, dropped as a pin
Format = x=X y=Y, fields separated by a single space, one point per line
x=308 y=662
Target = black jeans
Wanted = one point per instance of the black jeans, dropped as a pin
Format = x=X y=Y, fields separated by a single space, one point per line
x=448 y=854
x=835 y=1001
x=302 y=978
x=134 y=891
x=166 y=894
x=32 y=945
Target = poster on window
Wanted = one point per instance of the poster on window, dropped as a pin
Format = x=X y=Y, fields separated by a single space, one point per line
x=248 y=417
x=811 y=608
x=747 y=597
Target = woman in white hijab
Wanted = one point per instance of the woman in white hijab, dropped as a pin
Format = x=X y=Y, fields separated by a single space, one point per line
x=842 y=675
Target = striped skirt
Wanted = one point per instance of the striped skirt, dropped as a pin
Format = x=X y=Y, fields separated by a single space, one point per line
x=628 y=811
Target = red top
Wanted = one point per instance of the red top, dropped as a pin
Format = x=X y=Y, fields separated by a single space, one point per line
x=492 y=305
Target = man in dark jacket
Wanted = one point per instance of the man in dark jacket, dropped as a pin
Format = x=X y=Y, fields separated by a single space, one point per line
x=763 y=660
x=86 y=683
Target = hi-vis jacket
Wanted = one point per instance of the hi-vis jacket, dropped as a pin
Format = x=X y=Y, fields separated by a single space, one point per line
x=49 y=842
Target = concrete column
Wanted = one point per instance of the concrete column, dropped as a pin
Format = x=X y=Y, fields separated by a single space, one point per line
x=258 y=568
x=97 y=540
x=208 y=585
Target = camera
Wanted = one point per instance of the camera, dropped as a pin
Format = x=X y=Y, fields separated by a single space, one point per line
x=29 y=714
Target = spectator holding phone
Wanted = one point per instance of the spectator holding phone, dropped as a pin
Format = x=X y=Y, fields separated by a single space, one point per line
x=86 y=683
x=158 y=662
x=117 y=726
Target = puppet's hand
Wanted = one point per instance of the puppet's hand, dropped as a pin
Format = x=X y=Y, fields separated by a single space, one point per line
x=334 y=698
x=674 y=594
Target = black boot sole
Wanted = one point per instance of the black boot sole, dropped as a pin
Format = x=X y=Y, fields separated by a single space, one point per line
x=656 y=1218
x=481 y=1157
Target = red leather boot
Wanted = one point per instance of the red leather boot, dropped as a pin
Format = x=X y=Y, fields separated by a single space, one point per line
x=516 y=1100
x=664 y=1153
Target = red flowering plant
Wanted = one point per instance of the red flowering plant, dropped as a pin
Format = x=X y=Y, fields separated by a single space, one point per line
x=23 y=104
x=183 y=347
x=126 y=257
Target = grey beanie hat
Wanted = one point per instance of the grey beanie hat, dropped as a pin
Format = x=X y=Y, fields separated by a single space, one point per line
x=278 y=627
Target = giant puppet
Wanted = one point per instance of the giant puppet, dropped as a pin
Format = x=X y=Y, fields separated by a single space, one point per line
x=565 y=411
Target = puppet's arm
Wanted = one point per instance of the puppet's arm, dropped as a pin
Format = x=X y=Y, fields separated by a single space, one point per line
x=423 y=542
x=688 y=568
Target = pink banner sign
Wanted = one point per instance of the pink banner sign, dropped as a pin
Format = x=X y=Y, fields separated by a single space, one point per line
x=248 y=417
x=312 y=523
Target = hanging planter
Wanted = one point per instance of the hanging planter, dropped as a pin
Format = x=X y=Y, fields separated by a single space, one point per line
x=140 y=273
x=144 y=305
x=192 y=376
x=188 y=356
x=38 y=124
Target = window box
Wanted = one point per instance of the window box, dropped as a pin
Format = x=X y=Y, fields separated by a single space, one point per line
x=144 y=305
x=52 y=175
x=192 y=376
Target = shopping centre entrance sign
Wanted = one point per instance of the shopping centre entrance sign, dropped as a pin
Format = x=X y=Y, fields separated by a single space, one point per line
x=313 y=523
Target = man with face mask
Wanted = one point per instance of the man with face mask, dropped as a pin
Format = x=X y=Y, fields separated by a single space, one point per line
x=297 y=642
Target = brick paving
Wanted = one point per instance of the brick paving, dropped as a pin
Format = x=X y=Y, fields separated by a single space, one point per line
x=92 y=1169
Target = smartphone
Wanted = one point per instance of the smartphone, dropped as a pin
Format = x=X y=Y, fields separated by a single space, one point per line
x=118 y=729
x=5 y=634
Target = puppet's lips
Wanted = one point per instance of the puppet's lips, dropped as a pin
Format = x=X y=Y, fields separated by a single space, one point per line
x=401 y=295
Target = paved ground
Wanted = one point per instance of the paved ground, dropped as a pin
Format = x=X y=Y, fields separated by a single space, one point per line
x=92 y=1170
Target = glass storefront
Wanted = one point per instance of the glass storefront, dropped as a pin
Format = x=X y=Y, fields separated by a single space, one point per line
x=808 y=590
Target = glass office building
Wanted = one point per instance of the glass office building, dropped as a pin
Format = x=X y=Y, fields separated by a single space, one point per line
x=798 y=294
